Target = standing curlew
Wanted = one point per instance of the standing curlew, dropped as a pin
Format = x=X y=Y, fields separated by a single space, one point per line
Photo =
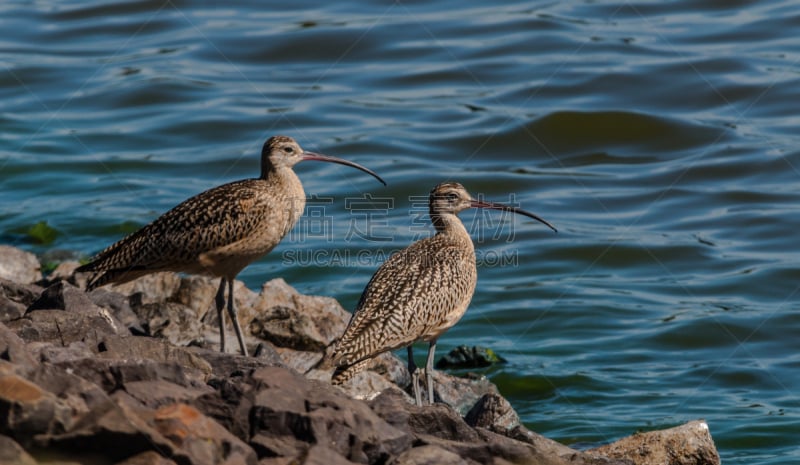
x=218 y=232
x=418 y=293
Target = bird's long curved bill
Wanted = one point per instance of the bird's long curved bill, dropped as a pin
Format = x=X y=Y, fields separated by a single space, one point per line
x=506 y=208
x=328 y=158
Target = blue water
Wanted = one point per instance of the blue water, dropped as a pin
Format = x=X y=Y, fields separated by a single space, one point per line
x=661 y=138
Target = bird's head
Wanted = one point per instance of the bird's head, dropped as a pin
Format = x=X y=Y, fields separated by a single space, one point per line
x=285 y=152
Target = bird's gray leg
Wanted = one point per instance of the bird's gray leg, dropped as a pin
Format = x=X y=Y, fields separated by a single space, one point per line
x=412 y=368
x=235 y=319
x=429 y=370
x=219 y=301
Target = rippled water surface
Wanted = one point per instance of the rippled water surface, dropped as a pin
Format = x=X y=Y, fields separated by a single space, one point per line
x=661 y=138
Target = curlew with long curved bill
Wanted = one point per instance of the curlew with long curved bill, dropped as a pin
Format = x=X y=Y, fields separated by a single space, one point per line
x=218 y=232
x=418 y=293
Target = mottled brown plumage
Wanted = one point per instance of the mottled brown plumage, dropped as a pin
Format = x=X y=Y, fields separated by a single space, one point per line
x=418 y=293
x=217 y=232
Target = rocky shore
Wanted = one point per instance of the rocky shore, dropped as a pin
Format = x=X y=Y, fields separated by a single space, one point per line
x=132 y=375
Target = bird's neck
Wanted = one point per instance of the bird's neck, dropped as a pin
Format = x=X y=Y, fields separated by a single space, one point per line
x=279 y=174
x=267 y=169
x=448 y=223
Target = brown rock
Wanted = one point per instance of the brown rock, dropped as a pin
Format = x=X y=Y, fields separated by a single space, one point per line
x=199 y=439
x=158 y=393
x=12 y=453
x=299 y=360
x=147 y=458
x=117 y=429
x=688 y=444
x=19 y=266
x=9 y=309
x=321 y=455
x=285 y=406
x=365 y=385
x=77 y=395
x=121 y=429
x=154 y=287
x=65 y=271
x=198 y=292
x=26 y=409
x=12 y=349
x=429 y=455
x=228 y=405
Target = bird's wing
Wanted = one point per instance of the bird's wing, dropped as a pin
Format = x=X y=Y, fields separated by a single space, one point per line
x=209 y=220
x=408 y=296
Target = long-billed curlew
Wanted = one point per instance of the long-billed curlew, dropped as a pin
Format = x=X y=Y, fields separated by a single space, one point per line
x=418 y=293
x=218 y=232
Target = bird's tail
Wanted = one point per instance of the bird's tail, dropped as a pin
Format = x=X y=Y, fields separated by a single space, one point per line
x=344 y=373
x=99 y=278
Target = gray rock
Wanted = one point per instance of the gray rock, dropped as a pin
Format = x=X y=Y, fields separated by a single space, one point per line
x=174 y=322
x=287 y=327
x=112 y=375
x=19 y=266
x=63 y=296
x=24 y=294
x=64 y=328
x=125 y=347
x=442 y=427
x=295 y=321
x=227 y=365
x=57 y=353
x=461 y=393
x=687 y=444
x=159 y=393
x=76 y=385
x=119 y=306
x=493 y=412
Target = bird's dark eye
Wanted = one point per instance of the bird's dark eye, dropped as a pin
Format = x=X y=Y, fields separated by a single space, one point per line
x=288 y=150
x=451 y=196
